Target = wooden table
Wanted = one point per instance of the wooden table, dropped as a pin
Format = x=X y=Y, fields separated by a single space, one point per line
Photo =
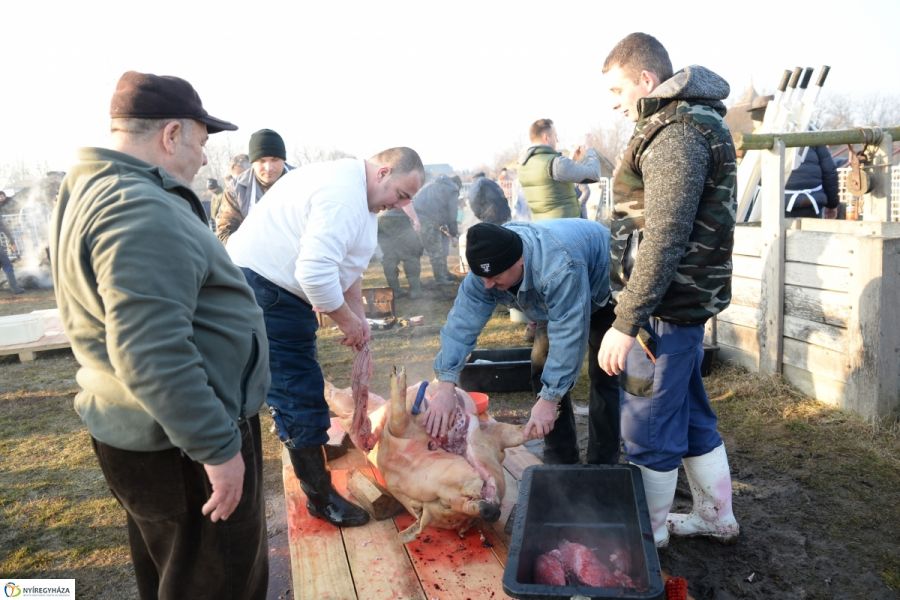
x=370 y=562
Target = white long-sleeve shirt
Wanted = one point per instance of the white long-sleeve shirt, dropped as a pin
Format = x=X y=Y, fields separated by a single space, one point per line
x=312 y=233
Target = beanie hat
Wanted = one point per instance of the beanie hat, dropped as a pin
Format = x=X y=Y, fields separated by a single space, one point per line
x=491 y=249
x=266 y=142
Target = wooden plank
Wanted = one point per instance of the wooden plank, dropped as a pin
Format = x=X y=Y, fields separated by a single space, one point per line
x=819 y=334
x=817 y=276
x=825 y=249
x=319 y=567
x=745 y=291
x=518 y=459
x=817 y=359
x=450 y=567
x=739 y=357
x=853 y=228
x=740 y=337
x=747 y=240
x=748 y=316
x=379 y=562
x=371 y=495
x=46 y=342
x=821 y=387
x=747 y=266
x=874 y=328
x=821 y=306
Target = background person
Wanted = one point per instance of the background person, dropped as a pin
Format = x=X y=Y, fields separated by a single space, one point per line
x=436 y=207
x=811 y=190
x=305 y=249
x=173 y=364
x=400 y=244
x=5 y=262
x=267 y=165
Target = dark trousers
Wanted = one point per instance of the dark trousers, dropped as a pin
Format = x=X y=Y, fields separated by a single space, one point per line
x=405 y=248
x=561 y=444
x=177 y=552
x=296 y=396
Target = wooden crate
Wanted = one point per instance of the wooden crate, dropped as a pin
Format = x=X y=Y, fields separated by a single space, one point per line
x=833 y=327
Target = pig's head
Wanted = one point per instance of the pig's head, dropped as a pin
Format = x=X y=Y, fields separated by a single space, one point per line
x=449 y=489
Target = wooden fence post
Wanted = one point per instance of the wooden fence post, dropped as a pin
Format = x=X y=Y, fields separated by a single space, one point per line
x=771 y=326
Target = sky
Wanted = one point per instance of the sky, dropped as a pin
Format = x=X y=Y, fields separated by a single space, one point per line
x=458 y=81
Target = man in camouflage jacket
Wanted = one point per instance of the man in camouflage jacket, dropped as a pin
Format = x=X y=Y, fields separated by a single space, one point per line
x=672 y=236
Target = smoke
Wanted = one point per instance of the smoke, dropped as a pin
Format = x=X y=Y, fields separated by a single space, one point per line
x=26 y=217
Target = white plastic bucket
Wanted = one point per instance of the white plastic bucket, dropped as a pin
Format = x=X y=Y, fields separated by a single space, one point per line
x=517 y=316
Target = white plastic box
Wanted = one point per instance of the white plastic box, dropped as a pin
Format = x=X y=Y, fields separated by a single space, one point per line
x=20 y=329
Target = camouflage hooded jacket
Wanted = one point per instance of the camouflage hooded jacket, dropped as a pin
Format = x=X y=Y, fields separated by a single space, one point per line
x=673 y=222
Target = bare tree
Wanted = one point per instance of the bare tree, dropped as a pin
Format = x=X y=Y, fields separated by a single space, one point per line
x=840 y=111
x=313 y=154
x=609 y=141
x=509 y=155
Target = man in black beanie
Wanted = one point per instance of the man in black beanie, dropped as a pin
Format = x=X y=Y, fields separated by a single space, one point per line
x=267 y=164
x=555 y=271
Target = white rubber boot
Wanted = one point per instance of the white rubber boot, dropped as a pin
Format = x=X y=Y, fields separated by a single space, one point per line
x=712 y=516
x=659 y=488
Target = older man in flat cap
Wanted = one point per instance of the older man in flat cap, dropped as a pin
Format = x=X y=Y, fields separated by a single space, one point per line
x=171 y=346
x=555 y=271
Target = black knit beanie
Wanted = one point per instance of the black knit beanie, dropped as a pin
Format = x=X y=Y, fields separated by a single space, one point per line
x=491 y=249
x=266 y=142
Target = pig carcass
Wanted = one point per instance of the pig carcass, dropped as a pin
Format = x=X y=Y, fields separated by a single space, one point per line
x=449 y=482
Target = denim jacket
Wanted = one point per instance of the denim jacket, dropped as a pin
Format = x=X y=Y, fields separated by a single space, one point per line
x=566 y=278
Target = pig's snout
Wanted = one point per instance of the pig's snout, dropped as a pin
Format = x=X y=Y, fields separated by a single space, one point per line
x=489 y=512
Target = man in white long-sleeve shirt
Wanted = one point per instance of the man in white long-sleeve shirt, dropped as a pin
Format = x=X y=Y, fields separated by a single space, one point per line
x=307 y=244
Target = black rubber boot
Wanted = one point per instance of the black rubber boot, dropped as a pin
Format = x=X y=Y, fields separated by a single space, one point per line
x=441 y=273
x=324 y=502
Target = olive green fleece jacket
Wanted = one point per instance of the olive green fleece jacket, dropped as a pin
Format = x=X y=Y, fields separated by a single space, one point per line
x=170 y=341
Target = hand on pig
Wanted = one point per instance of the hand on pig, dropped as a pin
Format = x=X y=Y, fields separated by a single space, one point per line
x=543 y=417
x=441 y=408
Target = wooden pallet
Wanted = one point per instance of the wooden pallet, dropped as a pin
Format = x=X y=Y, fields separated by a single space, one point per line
x=54 y=338
x=371 y=563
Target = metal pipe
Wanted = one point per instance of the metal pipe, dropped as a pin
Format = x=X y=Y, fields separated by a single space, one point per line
x=859 y=135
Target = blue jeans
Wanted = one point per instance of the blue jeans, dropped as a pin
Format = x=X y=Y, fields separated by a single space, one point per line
x=666 y=414
x=297 y=395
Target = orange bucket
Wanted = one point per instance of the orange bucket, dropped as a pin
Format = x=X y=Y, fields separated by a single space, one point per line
x=481 y=401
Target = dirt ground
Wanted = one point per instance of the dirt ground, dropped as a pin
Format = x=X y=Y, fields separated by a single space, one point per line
x=797 y=541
